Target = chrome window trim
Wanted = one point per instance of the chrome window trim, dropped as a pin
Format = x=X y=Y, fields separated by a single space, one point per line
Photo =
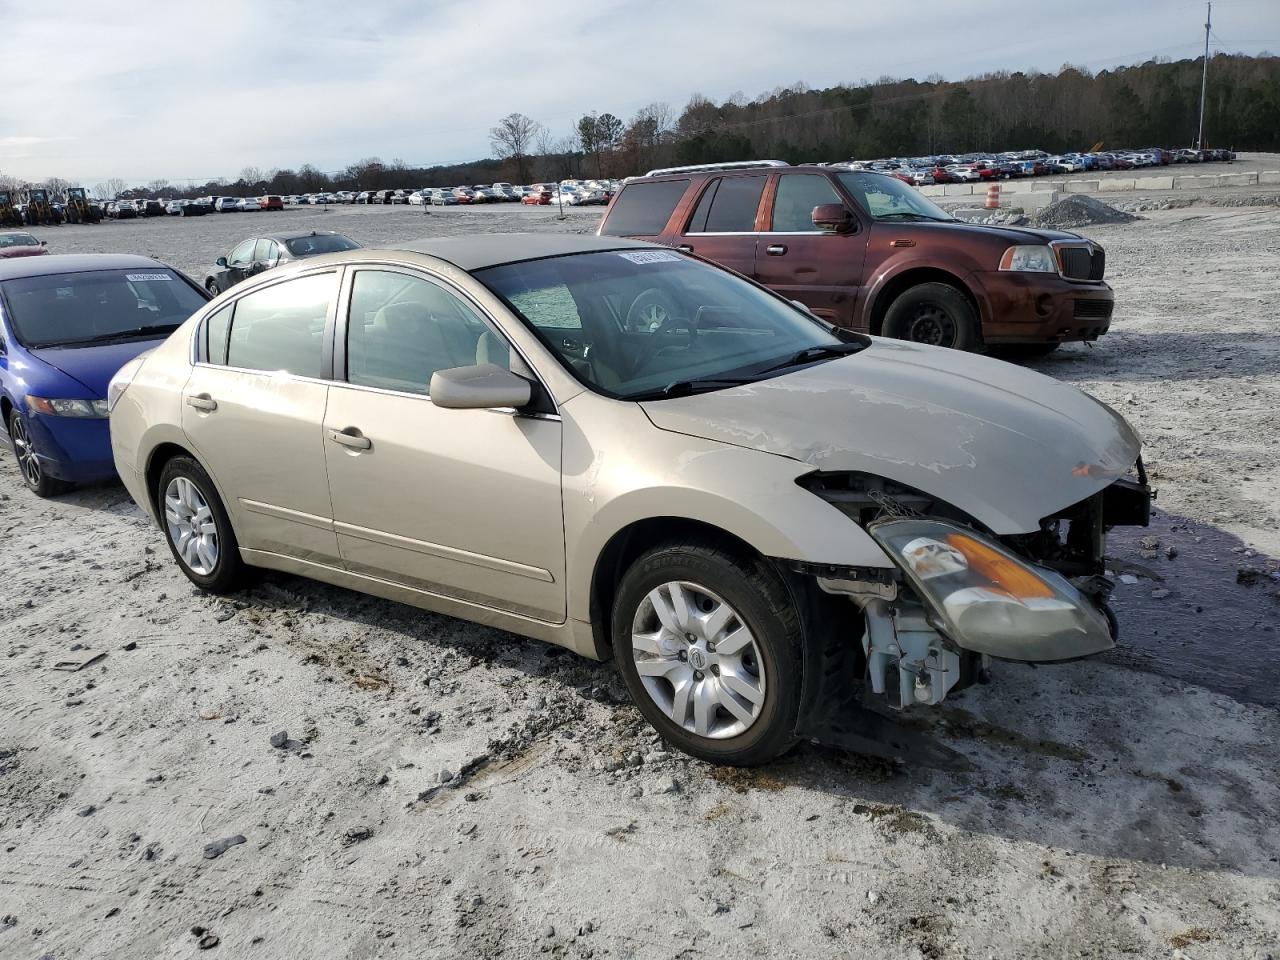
x=410 y=395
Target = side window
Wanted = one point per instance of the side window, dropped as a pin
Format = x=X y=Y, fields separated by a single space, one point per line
x=642 y=209
x=698 y=222
x=265 y=251
x=242 y=254
x=216 y=328
x=733 y=209
x=281 y=328
x=797 y=195
x=402 y=329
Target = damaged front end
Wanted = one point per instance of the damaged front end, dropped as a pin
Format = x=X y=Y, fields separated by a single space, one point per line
x=957 y=597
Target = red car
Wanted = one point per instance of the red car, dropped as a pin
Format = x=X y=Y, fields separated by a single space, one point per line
x=271 y=202
x=21 y=245
x=538 y=197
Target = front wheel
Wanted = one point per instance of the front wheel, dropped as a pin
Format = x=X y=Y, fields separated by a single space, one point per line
x=24 y=451
x=936 y=314
x=708 y=643
x=197 y=527
x=212 y=287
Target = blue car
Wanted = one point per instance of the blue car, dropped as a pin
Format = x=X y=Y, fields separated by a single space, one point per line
x=67 y=324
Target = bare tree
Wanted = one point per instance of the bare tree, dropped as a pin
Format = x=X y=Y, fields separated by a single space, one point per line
x=158 y=188
x=57 y=186
x=512 y=140
x=251 y=175
x=111 y=189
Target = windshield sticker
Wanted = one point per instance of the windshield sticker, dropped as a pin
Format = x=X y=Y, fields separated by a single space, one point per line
x=650 y=256
x=144 y=277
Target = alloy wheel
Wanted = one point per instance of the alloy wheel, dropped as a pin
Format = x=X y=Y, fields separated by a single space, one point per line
x=931 y=324
x=28 y=462
x=698 y=660
x=191 y=526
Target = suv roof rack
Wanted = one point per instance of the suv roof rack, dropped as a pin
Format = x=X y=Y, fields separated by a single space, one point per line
x=731 y=165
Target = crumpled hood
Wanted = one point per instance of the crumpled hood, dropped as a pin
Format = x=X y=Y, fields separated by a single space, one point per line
x=1004 y=444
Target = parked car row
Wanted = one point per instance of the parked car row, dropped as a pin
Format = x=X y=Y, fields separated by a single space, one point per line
x=948 y=168
x=764 y=544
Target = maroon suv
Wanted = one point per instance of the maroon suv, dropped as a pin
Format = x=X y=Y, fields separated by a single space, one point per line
x=868 y=252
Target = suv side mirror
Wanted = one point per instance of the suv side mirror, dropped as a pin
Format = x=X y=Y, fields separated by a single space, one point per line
x=479 y=387
x=220 y=262
x=832 y=218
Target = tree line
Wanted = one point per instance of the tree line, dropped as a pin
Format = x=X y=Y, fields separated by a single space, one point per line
x=1152 y=104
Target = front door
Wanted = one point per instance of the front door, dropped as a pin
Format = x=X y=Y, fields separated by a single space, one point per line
x=820 y=269
x=461 y=503
x=253 y=410
x=722 y=227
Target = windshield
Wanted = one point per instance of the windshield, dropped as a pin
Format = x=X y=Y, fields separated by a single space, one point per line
x=887 y=198
x=642 y=324
x=313 y=246
x=99 y=306
x=18 y=240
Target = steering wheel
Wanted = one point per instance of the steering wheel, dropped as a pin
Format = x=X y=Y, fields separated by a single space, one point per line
x=661 y=337
x=650 y=311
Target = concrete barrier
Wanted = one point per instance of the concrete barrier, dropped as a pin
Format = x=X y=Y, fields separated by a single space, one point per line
x=1082 y=186
x=1153 y=183
x=957 y=189
x=1195 y=183
x=1047 y=186
x=1237 y=179
x=1117 y=183
x=1016 y=186
x=932 y=190
x=1269 y=176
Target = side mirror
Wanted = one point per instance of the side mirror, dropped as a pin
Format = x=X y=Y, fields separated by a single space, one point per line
x=220 y=262
x=44 y=243
x=479 y=387
x=832 y=218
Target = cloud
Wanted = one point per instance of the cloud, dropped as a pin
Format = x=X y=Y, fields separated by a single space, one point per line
x=200 y=90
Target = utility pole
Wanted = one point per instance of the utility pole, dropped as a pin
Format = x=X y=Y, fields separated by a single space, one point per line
x=1204 y=76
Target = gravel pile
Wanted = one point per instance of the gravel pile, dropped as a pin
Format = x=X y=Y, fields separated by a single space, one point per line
x=1080 y=211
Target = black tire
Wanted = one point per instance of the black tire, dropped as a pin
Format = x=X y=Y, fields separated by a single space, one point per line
x=764 y=606
x=33 y=475
x=212 y=287
x=228 y=573
x=936 y=314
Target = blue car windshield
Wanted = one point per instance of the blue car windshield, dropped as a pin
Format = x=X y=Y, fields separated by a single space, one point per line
x=99 y=306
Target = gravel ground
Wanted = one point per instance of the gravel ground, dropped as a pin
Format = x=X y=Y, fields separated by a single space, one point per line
x=410 y=785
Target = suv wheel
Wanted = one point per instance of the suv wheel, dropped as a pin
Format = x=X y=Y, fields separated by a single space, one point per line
x=197 y=527
x=709 y=646
x=936 y=314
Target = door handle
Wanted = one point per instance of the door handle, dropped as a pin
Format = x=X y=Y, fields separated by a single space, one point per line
x=775 y=249
x=348 y=439
x=202 y=401
x=685 y=248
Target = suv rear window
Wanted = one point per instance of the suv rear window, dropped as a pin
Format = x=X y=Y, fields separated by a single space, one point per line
x=643 y=209
x=728 y=206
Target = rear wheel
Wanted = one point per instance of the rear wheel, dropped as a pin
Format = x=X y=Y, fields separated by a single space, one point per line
x=936 y=314
x=197 y=527
x=24 y=451
x=212 y=287
x=709 y=646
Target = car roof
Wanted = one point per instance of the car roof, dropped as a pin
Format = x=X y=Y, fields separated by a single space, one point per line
x=489 y=250
x=72 y=263
x=298 y=235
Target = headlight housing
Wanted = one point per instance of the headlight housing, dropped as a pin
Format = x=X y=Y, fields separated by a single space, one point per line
x=990 y=601
x=1029 y=258
x=84 y=409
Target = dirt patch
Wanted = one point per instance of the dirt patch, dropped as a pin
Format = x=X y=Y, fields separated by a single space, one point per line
x=1188 y=937
x=1079 y=210
x=746 y=779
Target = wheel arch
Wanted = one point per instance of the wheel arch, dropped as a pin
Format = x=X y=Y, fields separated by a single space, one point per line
x=889 y=288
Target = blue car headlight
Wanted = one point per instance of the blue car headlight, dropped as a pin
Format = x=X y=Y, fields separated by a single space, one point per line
x=84 y=409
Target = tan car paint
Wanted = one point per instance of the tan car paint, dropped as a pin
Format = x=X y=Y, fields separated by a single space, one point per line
x=619 y=469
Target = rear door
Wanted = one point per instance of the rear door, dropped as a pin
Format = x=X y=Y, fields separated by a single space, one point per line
x=820 y=269
x=253 y=411
x=723 y=224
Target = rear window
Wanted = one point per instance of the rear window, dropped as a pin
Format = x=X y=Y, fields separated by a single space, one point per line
x=314 y=246
x=728 y=206
x=643 y=209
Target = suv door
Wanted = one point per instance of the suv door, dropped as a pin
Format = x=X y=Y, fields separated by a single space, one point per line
x=253 y=410
x=723 y=224
x=820 y=269
x=460 y=503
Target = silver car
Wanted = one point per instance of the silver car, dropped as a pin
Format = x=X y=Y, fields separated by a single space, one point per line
x=771 y=525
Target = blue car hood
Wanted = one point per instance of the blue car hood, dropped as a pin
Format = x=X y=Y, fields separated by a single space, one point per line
x=93 y=366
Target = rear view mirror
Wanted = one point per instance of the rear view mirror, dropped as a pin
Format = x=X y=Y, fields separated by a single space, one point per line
x=479 y=387
x=832 y=217
x=220 y=262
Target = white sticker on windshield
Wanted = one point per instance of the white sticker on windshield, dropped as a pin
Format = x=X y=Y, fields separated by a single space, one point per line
x=649 y=256
x=144 y=277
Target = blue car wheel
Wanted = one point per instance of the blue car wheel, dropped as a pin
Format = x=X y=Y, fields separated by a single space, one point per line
x=24 y=451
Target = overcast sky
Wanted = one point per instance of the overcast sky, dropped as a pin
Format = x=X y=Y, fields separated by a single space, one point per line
x=93 y=89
